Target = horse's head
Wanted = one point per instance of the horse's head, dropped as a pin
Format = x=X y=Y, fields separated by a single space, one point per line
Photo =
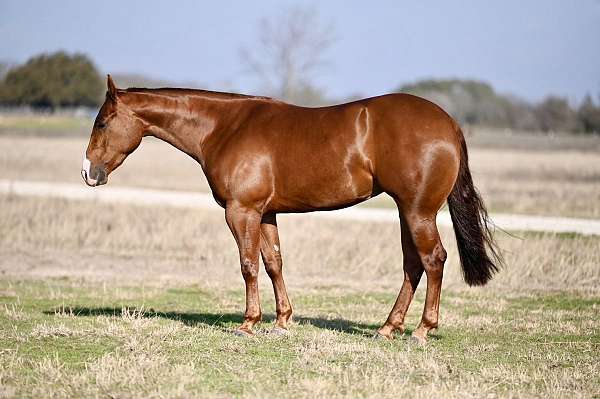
x=117 y=132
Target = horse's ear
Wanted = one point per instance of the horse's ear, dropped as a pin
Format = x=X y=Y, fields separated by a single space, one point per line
x=112 y=89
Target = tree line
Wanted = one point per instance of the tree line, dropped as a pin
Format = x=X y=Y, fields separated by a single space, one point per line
x=477 y=103
x=58 y=80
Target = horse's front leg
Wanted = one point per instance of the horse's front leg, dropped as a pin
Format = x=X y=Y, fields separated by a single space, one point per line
x=244 y=223
x=270 y=250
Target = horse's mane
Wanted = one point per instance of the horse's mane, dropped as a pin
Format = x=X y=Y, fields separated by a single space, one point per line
x=175 y=91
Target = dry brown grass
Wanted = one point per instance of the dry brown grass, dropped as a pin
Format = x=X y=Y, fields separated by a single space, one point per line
x=539 y=182
x=47 y=237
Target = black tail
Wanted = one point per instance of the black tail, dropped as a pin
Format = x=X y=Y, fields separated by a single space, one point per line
x=471 y=226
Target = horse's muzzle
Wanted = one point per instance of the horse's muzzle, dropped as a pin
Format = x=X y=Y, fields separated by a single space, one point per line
x=93 y=175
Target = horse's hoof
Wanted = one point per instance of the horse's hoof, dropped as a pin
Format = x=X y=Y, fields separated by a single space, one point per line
x=243 y=333
x=279 y=331
x=380 y=337
x=416 y=340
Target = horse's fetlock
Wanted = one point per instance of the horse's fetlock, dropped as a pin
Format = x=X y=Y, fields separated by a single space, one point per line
x=430 y=321
x=287 y=312
x=253 y=317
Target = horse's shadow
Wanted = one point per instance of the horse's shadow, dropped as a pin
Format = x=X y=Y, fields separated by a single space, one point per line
x=222 y=321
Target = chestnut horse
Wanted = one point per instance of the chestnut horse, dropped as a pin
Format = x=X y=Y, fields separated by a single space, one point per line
x=262 y=157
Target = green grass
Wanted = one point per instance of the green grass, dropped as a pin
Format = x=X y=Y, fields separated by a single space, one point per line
x=45 y=125
x=75 y=338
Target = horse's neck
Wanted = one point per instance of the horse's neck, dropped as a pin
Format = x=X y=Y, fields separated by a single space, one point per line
x=181 y=121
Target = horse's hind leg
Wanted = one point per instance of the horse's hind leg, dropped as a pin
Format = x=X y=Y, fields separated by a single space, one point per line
x=413 y=270
x=429 y=247
x=427 y=175
x=271 y=254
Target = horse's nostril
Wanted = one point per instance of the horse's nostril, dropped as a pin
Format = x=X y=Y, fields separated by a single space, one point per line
x=101 y=177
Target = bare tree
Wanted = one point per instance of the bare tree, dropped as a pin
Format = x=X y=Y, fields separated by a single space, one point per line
x=289 y=50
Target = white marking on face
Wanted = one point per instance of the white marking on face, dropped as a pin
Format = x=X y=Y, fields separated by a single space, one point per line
x=86 y=164
x=85 y=171
x=276 y=248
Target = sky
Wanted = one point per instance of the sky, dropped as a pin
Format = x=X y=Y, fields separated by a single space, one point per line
x=526 y=48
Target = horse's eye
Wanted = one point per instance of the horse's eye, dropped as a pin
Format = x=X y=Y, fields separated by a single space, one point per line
x=101 y=125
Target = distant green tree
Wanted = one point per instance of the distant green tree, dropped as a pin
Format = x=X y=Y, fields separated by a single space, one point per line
x=555 y=114
x=589 y=115
x=52 y=81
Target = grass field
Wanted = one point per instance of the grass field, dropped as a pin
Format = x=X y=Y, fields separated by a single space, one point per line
x=121 y=301
x=104 y=300
x=49 y=125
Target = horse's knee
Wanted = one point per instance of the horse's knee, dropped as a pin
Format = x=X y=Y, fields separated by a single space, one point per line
x=249 y=269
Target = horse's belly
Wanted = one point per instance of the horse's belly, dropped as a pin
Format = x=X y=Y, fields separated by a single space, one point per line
x=323 y=191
